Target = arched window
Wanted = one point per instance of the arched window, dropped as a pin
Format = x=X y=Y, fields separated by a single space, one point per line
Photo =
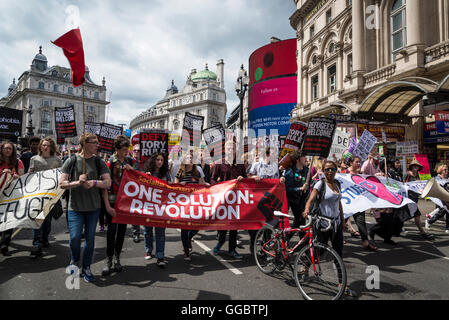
x=398 y=27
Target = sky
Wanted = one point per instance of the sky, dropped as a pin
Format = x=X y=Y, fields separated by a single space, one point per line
x=141 y=46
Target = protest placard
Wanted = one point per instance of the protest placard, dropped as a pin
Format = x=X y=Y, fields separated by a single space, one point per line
x=192 y=130
x=365 y=145
x=10 y=124
x=215 y=140
x=152 y=141
x=65 y=122
x=106 y=137
x=92 y=127
x=319 y=136
x=407 y=148
x=339 y=145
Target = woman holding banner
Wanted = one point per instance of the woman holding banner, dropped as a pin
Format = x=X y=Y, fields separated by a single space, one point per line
x=443 y=175
x=9 y=164
x=188 y=173
x=45 y=159
x=359 y=217
x=157 y=166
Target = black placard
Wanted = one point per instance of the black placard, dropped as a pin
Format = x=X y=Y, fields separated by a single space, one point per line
x=10 y=124
x=319 y=136
x=65 y=122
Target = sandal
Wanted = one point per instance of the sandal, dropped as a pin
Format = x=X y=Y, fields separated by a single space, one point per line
x=355 y=234
x=370 y=247
x=350 y=293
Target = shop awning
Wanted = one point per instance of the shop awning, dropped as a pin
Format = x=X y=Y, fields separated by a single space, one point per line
x=394 y=101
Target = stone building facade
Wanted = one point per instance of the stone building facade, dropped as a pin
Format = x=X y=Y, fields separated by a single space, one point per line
x=45 y=88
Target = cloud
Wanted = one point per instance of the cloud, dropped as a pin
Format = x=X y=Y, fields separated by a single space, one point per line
x=140 y=46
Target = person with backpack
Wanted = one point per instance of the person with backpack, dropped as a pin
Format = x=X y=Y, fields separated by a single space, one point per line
x=157 y=166
x=80 y=175
x=9 y=164
x=45 y=159
x=117 y=164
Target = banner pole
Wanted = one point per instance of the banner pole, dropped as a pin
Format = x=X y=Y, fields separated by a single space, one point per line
x=84 y=131
x=69 y=146
x=310 y=171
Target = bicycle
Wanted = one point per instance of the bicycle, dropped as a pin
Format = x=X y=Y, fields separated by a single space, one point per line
x=316 y=264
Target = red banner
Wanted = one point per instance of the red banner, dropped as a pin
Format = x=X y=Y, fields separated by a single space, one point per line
x=230 y=205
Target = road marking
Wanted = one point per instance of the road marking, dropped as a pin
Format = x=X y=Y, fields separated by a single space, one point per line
x=432 y=254
x=222 y=261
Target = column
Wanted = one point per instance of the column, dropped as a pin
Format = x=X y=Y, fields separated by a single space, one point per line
x=340 y=66
x=414 y=23
x=446 y=19
x=358 y=35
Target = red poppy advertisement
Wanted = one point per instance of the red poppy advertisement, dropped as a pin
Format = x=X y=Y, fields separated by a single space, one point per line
x=230 y=205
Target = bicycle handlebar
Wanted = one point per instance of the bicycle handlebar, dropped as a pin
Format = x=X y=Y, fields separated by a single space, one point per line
x=329 y=222
x=308 y=223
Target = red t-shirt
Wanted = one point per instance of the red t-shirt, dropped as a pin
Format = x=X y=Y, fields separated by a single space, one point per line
x=11 y=167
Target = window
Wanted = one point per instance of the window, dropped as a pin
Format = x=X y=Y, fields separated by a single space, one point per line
x=398 y=27
x=312 y=31
x=70 y=90
x=41 y=85
x=90 y=119
x=331 y=48
x=55 y=88
x=329 y=16
x=97 y=95
x=45 y=121
x=332 y=79
x=90 y=108
x=315 y=87
x=194 y=98
x=314 y=60
x=350 y=69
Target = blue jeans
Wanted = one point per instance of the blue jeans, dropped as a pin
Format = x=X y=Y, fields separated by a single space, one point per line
x=40 y=236
x=78 y=220
x=160 y=241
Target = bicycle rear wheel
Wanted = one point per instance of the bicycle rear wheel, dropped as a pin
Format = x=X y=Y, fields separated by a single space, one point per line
x=265 y=248
x=327 y=281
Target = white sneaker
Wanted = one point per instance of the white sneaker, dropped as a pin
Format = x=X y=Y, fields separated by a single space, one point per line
x=427 y=225
x=447 y=231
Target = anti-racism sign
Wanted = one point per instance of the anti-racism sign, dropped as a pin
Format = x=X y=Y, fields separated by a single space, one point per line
x=215 y=140
x=192 y=129
x=319 y=136
x=230 y=205
x=106 y=137
x=365 y=145
x=10 y=124
x=339 y=145
x=26 y=197
x=65 y=122
x=152 y=141
x=92 y=127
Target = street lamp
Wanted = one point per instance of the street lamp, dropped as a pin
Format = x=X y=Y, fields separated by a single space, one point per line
x=241 y=86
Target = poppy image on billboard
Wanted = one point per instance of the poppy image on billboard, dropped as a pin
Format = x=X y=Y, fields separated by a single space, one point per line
x=270 y=103
x=273 y=60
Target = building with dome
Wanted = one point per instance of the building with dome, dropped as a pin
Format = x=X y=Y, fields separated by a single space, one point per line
x=203 y=94
x=45 y=88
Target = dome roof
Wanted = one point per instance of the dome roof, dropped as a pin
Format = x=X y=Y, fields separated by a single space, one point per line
x=13 y=84
x=204 y=75
x=40 y=56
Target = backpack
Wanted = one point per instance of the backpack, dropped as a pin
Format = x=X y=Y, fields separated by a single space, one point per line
x=72 y=162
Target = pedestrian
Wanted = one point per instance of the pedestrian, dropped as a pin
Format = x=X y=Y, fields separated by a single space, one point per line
x=9 y=164
x=369 y=166
x=188 y=173
x=136 y=166
x=224 y=170
x=412 y=175
x=115 y=235
x=26 y=157
x=81 y=174
x=442 y=175
x=359 y=217
x=205 y=164
x=45 y=159
x=266 y=168
x=156 y=166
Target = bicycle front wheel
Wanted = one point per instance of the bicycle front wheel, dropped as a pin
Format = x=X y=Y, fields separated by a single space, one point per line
x=265 y=248
x=321 y=277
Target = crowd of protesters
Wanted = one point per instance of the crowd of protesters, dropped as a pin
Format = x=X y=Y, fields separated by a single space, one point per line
x=94 y=182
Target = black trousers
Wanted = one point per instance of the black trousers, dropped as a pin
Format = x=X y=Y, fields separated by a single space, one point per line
x=335 y=236
x=5 y=238
x=385 y=225
x=360 y=221
x=232 y=239
x=439 y=215
x=297 y=206
x=115 y=237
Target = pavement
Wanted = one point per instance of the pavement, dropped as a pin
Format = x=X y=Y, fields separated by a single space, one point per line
x=414 y=269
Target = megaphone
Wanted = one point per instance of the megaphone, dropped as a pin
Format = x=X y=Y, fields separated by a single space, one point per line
x=435 y=190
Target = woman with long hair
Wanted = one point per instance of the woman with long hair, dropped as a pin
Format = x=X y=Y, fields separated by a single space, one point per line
x=9 y=164
x=157 y=166
x=45 y=159
x=188 y=173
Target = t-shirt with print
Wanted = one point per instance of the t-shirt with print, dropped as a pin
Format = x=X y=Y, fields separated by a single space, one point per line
x=38 y=163
x=82 y=200
x=330 y=204
x=265 y=170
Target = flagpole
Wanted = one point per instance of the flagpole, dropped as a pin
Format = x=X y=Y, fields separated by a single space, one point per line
x=84 y=131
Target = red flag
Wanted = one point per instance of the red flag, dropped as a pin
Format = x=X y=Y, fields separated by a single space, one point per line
x=72 y=45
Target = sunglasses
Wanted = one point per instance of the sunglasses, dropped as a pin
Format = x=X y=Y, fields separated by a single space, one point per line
x=330 y=169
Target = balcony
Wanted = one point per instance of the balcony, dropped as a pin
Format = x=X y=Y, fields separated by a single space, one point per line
x=379 y=75
x=437 y=52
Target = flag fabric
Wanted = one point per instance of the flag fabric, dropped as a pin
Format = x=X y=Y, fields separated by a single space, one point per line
x=72 y=45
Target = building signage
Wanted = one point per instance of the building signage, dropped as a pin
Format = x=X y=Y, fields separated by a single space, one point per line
x=316 y=9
